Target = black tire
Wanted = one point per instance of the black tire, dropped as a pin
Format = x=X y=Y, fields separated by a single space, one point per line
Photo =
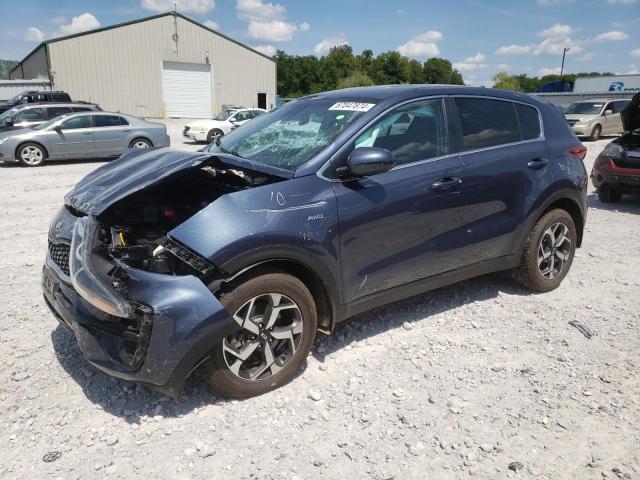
x=28 y=153
x=528 y=274
x=219 y=374
x=140 y=141
x=213 y=134
x=596 y=132
x=609 y=195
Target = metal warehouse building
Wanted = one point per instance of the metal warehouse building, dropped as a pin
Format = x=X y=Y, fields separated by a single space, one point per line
x=164 y=65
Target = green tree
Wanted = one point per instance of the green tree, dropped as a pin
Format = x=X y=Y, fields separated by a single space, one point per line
x=440 y=70
x=505 y=81
x=356 y=79
x=5 y=67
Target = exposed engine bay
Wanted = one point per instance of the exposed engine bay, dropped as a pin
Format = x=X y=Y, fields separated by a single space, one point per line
x=135 y=228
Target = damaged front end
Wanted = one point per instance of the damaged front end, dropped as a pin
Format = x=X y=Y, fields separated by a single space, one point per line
x=136 y=299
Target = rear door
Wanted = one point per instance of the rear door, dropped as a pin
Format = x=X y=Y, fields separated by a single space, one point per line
x=74 y=138
x=110 y=135
x=402 y=225
x=505 y=166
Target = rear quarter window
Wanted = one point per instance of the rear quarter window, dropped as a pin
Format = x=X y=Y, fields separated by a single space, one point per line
x=487 y=122
x=529 y=121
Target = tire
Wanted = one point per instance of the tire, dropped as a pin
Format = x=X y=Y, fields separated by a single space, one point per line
x=214 y=134
x=138 y=143
x=253 y=375
x=596 y=132
x=547 y=276
x=31 y=154
x=609 y=196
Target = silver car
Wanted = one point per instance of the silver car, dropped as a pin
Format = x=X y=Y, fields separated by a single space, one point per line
x=593 y=118
x=80 y=136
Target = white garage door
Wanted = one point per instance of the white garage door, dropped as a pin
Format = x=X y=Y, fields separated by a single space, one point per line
x=186 y=89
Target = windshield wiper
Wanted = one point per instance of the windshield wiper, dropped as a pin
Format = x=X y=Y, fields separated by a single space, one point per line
x=226 y=150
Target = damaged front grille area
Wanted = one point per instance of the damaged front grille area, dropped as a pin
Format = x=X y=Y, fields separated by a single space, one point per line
x=60 y=255
x=188 y=256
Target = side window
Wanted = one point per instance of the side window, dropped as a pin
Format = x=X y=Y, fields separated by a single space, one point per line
x=413 y=132
x=241 y=116
x=618 y=105
x=529 y=121
x=83 y=121
x=59 y=97
x=608 y=106
x=81 y=109
x=257 y=113
x=57 y=111
x=29 y=115
x=486 y=122
x=109 y=121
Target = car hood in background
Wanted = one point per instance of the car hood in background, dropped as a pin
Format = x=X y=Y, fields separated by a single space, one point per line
x=630 y=114
x=136 y=170
x=579 y=117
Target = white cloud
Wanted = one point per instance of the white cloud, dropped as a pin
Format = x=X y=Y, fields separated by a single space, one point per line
x=58 y=20
x=469 y=66
x=612 y=36
x=556 y=30
x=81 y=23
x=328 y=43
x=193 y=6
x=304 y=27
x=272 y=31
x=268 y=50
x=549 y=46
x=503 y=67
x=632 y=71
x=635 y=53
x=549 y=71
x=33 y=34
x=212 y=24
x=586 y=57
x=423 y=45
x=477 y=58
x=258 y=10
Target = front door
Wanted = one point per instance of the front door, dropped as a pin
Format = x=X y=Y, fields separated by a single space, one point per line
x=402 y=225
x=74 y=138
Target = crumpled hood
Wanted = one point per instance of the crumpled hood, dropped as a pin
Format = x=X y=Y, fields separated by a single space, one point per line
x=133 y=171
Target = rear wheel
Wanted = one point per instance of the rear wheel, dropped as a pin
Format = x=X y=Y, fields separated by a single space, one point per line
x=31 y=154
x=548 y=252
x=140 y=143
x=277 y=322
x=595 y=133
x=609 y=195
x=214 y=135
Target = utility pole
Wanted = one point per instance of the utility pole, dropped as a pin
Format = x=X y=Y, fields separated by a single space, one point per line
x=564 y=52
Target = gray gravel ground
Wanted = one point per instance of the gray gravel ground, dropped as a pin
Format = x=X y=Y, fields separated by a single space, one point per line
x=478 y=379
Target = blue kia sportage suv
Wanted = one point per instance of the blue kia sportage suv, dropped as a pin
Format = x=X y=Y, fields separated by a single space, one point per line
x=234 y=257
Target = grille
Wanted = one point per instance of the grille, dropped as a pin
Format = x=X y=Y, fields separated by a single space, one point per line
x=60 y=255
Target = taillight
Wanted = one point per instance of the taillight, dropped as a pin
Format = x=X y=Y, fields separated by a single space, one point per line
x=579 y=151
x=603 y=163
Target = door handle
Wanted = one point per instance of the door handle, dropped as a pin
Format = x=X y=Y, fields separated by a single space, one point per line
x=126 y=129
x=537 y=163
x=87 y=133
x=446 y=184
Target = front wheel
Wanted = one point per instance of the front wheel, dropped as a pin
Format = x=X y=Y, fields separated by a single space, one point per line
x=277 y=321
x=214 y=135
x=548 y=252
x=595 y=133
x=31 y=154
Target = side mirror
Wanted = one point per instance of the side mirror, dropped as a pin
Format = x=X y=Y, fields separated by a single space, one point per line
x=367 y=161
x=608 y=112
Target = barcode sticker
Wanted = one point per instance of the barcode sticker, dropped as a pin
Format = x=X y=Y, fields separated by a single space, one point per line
x=352 y=106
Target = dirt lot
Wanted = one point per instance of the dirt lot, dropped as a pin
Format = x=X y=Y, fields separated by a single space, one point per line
x=459 y=382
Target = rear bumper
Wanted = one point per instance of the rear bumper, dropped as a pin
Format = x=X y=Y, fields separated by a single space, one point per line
x=173 y=324
x=622 y=183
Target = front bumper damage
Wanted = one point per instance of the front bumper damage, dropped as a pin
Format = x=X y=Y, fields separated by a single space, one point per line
x=133 y=324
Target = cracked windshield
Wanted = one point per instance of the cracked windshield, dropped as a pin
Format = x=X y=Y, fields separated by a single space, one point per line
x=291 y=135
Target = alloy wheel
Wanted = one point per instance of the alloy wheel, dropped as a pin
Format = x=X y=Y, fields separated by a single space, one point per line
x=270 y=332
x=31 y=155
x=140 y=144
x=554 y=250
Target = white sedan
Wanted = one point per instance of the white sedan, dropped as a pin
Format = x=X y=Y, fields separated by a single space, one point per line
x=210 y=130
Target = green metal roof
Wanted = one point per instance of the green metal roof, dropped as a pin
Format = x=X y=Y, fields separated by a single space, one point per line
x=139 y=20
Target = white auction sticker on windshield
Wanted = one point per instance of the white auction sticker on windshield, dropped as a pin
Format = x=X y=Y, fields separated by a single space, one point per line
x=352 y=106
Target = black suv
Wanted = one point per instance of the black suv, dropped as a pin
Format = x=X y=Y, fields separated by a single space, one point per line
x=44 y=96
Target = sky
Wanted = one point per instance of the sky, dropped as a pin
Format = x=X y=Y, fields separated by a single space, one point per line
x=481 y=37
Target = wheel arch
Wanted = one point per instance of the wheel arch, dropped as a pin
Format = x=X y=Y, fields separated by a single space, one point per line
x=140 y=137
x=40 y=144
x=572 y=208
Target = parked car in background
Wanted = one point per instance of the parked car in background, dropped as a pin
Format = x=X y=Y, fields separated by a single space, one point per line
x=81 y=135
x=43 y=96
x=210 y=130
x=616 y=171
x=333 y=204
x=32 y=115
x=593 y=118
